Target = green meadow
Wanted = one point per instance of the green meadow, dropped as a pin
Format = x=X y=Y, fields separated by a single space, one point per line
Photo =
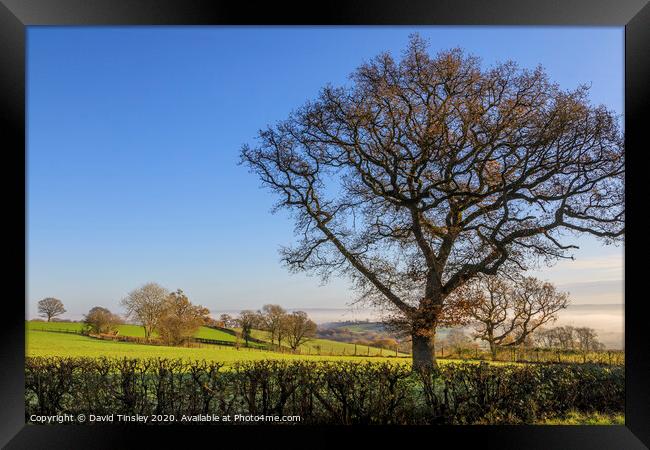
x=124 y=330
x=327 y=347
x=51 y=343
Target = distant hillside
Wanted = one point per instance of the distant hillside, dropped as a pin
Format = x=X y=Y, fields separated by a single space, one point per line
x=355 y=326
x=376 y=334
x=325 y=346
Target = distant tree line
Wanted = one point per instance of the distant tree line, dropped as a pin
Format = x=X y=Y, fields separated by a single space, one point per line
x=175 y=319
x=293 y=329
x=564 y=338
x=569 y=338
x=169 y=314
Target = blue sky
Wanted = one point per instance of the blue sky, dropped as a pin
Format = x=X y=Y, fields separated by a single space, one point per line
x=133 y=142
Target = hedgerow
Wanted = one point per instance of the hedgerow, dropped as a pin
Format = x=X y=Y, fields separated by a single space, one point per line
x=323 y=391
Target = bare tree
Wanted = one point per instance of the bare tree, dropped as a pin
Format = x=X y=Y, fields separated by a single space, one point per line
x=544 y=337
x=298 y=328
x=50 y=307
x=227 y=320
x=247 y=321
x=569 y=338
x=146 y=305
x=180 y=319
x=506 y=312
x=587 y=339
x=426 y=172
x=272 y=320
x=565 y=337
x=101 y=320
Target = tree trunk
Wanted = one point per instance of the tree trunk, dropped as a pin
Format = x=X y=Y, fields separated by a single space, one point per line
x=493 y=350
x=423 y=351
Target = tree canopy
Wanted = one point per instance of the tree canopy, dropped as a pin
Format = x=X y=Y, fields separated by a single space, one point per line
x=425 y=172
x=50 y=307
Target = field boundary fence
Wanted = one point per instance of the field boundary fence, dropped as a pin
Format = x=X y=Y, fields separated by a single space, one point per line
x=534 y=355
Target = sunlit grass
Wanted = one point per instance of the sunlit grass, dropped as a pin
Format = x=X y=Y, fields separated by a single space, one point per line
x=579 y=418
x=43 y=343
x=46 y=343
x=126 y=330
x=329 y=347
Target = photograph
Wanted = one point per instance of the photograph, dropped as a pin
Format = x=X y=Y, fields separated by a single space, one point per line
x=390 y=225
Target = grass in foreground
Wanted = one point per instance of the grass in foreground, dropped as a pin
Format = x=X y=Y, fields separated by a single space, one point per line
x=579 y=418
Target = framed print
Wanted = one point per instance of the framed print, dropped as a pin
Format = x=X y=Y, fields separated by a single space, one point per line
x=382 y=220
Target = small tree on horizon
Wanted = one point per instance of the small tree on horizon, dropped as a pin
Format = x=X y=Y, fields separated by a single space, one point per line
x=226 y=320
x=50 y=307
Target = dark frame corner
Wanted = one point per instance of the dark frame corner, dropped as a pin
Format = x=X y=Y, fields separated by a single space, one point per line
x=17 y=15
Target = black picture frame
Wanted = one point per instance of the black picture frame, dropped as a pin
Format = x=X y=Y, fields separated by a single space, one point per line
x=16 y=15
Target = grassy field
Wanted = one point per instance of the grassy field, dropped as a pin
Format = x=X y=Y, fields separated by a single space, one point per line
x=44 y=343
x=323 y=346
x=578 y=418
x=327 y=347
x=48 y=343
x=125 y=330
